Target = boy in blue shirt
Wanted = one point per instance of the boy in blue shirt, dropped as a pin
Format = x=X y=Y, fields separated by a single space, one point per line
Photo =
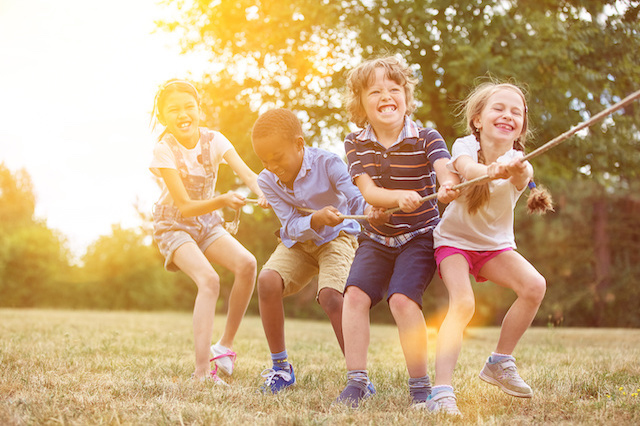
x=322 y=243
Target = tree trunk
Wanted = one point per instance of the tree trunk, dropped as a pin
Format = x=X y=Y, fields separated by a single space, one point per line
x=602 y=252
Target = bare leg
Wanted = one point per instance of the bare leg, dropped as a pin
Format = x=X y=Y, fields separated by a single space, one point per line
x=356 y=327
x=455 y=273
x=270 y=289
x=192 y=262
x=229 y=253
x=511 y=270
x=413 y=333
x=331 y=302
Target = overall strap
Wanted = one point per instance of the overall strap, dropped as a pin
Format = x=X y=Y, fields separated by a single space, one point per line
x=206 y=137
x=171 y=141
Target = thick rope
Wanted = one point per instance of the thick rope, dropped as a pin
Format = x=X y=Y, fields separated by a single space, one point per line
x=535 y=153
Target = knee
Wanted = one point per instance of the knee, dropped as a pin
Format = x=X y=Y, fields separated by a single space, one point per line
x=331 y=301
x=269 y=284
x=208 y=282
x=534 y=290
x=246 y=265
x=399 y=303
x=463 y=307
x=356 y=298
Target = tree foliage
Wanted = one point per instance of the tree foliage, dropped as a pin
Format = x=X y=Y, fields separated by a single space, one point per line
x=33 y=258
x=575 y=57
x=123 y=270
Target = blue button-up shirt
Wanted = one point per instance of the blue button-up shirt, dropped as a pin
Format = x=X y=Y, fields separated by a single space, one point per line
x=323 y=180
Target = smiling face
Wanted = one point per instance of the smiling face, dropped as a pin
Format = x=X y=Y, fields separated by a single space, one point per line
x=502 y=118
x=281 y=156
x=180 y=113
x=384 y=103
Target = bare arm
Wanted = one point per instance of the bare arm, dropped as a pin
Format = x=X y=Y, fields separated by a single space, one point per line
x=447 y=179
x=468 y=168
x=519 y=173
x=189 y=207
x=246 y=174
x=242 y=170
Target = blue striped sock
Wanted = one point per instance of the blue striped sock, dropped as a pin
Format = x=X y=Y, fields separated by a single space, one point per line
x=280 y=361
x=419 y=388
x=359 y=376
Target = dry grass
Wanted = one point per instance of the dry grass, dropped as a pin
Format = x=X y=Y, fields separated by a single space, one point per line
x=75 y=367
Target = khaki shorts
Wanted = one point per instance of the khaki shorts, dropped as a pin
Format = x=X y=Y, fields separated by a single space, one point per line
x=299 y=264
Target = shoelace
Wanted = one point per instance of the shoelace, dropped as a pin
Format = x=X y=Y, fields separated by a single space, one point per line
x=214 y=375
x=270 y=374
x=229 y=353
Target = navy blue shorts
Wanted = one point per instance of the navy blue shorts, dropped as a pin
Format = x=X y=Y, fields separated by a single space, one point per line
x=379 y=270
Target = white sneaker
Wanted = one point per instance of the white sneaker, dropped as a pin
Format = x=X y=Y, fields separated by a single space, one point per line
x=443 y=402
x=224 y=358
x=504 y=374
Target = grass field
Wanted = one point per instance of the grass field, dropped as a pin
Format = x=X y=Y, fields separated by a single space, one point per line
x=79 y=367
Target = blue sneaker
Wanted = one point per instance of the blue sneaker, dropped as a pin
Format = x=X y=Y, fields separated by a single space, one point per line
x=371 y=389
x=355 y=392
x=277 y=380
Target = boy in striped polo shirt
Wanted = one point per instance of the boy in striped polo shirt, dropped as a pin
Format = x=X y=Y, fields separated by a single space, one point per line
x=394 y=163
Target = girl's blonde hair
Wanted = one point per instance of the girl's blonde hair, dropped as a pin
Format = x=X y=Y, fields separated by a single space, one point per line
x=361 y=77
x=539 y=200
x=170 y=86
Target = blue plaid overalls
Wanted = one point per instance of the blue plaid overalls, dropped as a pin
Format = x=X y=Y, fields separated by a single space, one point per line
x=168 y=223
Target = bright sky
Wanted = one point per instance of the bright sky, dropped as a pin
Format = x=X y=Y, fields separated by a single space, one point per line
x=77 y=81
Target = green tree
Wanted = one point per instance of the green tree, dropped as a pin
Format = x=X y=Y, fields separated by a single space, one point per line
x=33 y=258
x=575 y=56
x=17 y=201
x=123 y=270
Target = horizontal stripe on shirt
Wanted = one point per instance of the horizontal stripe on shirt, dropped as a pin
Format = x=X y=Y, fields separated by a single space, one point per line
x=406 y=165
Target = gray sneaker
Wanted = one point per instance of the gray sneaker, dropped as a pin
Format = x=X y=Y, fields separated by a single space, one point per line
x=441 y=402
x=504 y=374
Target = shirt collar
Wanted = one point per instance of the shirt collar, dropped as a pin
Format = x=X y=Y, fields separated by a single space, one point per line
x=307 y=162
x=409 y=130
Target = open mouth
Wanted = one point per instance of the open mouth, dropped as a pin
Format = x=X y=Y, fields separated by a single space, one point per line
x=503 y=126
x=387 y=109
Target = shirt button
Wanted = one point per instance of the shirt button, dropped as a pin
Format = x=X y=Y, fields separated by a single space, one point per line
x=384 y=155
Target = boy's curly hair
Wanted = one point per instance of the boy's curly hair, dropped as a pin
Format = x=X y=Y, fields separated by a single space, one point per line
x=361 y=77
x=277 y=122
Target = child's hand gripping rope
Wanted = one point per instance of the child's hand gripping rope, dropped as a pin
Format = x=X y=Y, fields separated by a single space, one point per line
x=445 y=193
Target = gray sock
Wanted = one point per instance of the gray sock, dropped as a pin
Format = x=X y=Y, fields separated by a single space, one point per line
x=357 y=377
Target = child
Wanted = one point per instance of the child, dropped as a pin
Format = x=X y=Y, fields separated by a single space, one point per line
x=476 y=236
x=321 y=243
x=188 y=231
x=393 y=161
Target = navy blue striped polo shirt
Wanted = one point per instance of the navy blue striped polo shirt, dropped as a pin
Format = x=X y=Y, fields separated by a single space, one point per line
x=408 y=165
